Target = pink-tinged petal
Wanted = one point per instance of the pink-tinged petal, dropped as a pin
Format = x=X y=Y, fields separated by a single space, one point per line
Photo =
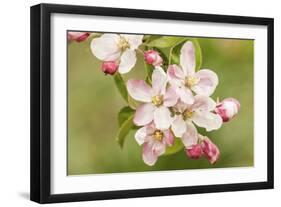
x=170 y=97
x=162 y=118
x=178 y=126
x=159 y=81
x=187 y=58
x=207 y=120
x=158 y=148
x=128 y=61
x=139 y=90
x=208 y=81
x=169 y=137
x=105 y=47
x=185 y=95
x=77 y=36
x=148 y=156
x=144 y=114
x=227 y=109
x=211 y=151
x=181 y=107
x=190 y=137
x=203 y=103
x=141 y=135
x=134 y=40
x=175 y=75
x=194 y=151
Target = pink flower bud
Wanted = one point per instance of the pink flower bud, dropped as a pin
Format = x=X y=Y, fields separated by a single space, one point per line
x=194 y=151
x=227 y=109
x=109 y=67
x=152 y=57
x=210 y=150
x=77 y=36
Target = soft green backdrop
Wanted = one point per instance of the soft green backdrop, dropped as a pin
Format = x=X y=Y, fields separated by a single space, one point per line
x=94 y=102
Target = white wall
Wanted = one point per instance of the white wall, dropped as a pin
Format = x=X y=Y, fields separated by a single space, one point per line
x=14 y=104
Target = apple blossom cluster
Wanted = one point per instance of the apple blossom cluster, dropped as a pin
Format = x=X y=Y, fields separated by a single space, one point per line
x=174 y=104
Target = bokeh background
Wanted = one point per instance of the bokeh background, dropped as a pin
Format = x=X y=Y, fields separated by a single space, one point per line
x=94 y=102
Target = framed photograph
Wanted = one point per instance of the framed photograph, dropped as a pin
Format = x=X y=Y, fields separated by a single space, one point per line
x=133 y=103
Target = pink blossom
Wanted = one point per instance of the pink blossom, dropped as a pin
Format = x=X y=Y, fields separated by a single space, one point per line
x=194 y=151
x=154 y=142
x=152 y=57
x=211 y=151
x=227 y=109
x=156 y=100
x=77 y=36
x=109 y=67
x=186 y=80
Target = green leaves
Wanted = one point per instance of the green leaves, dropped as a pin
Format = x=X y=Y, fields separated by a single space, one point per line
x=121 y=86
x=176 y=147
x=164 y=42
x=125 y=122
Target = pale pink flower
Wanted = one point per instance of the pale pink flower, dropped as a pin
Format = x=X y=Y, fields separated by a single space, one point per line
x=77 y=36
x=199 y=113
x=109 y=67
x=153 y=57
x=211 y=151
x=114 y=47
x=194 y=151
x=184 y=77
x=227 y=108
x=156 y=100
x=154 y=142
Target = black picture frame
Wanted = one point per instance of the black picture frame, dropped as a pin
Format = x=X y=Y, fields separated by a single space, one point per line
x=40 y=184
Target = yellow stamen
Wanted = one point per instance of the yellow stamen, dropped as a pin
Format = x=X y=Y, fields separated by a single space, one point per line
x=187 y=114
x=191 y=81
x=157 y=100
x=123 y=44
x=158 y=135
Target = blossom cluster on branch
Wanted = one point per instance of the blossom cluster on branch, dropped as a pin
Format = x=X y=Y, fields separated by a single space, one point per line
x=175 y=99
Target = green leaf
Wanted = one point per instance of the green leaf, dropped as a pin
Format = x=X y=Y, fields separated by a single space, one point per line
x=149 y=71
x=124 y=114
x=175 y=52
x=123 y=131
x=132 y=102
x=164 y=41
x=176 y=147
x=121 y=86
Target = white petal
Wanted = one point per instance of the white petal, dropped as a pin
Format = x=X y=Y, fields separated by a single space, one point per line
x=162 y=118
x=207 y=120
x=185 y=95
x=178 y=126
x=208 y=81
x=128 y=61
x=141 y=135
x=159 y=81
x=105 y=47
x=175 y=75
x=144 y=114
x=203 y=103
x=190 y=137
x=170 y=97
x=139 y=90
x=187 y=58
x=148 y=156
x=134 y=40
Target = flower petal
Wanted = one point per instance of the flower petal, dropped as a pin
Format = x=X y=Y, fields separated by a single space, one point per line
x=134 y=40
x=144 y=114
x=162 y=118
x=208 y=81
x=203 y=103
x=169 y=137
x=190 y=137
x=170 y=97
x=141 y=135
x=185 y=95
x=178 y=126
x=207 y=120
x=105 y=47
x=148 y=156
x=175 y=75
x=159 y=81
x=187 y=58
x=139 y=90
x=127 y=61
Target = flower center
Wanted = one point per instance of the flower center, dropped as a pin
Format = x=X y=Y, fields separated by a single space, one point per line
x=187 y=114
x=191 y=81
x=158 y=135
x=123 y=44
x=157 y=100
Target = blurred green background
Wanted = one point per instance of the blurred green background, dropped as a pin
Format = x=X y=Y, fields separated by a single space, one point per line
x=94 y=102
